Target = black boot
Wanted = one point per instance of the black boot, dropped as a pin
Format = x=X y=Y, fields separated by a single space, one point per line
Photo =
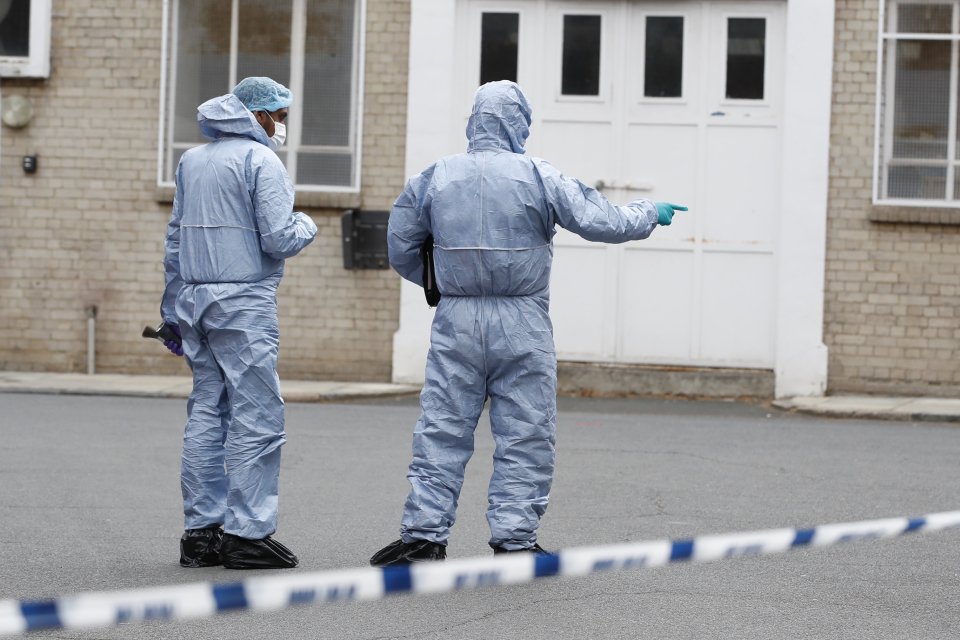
x=401 y=552
x=534 y=549
x=244 y=553
x=201 y=547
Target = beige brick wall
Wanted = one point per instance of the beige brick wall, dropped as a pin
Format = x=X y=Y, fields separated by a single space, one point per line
x=892 y=291
x=87 y=229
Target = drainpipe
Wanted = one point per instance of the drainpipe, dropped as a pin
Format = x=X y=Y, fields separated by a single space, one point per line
x=91 y=339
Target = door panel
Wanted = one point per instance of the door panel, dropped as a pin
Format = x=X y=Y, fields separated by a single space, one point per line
x=660 y=163
x=556 y=20
x=741 y=191
x=737 y=326
x=656 y=305
x=582 y=147
x=643 y=18
x=585 y=282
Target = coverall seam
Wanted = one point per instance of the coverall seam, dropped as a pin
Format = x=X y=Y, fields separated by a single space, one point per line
x=482 y=248
x=483 y=341
x=216 y=226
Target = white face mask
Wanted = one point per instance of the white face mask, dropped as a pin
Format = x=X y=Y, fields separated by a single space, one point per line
x=279 y=133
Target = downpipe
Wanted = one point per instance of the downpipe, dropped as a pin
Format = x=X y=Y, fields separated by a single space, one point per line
x=91 y=339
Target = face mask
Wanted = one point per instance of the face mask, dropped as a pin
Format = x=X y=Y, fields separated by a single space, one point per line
x=279 y=134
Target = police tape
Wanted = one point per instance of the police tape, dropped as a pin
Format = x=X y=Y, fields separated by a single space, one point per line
x=279 y=591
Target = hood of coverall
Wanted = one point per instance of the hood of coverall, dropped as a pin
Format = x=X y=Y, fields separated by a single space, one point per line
x=225 y=116
x=500 y=119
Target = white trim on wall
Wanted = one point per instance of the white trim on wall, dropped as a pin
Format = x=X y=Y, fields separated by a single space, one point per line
x=429 y=105
x=801 y=356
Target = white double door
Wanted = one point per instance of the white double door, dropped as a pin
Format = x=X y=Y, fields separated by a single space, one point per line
x=677 y=101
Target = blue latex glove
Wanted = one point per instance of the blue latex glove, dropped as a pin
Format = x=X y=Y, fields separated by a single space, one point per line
x=665 y=211
x=174 y=347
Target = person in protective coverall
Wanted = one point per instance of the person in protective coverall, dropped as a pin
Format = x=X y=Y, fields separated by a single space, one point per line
x=232 y=227
x=491 y=214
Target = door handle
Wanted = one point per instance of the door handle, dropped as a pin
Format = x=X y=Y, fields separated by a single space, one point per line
x=600 y=185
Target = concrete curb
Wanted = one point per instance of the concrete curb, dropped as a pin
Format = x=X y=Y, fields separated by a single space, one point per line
x=181 y=386
x=889 y=408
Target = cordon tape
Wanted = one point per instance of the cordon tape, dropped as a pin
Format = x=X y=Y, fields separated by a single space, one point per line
x=280 y=590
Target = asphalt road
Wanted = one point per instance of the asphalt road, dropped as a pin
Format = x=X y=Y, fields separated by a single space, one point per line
x=89 y=500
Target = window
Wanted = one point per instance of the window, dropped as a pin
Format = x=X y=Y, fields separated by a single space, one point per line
x=581 y=55
x=917 y=94
x=746 y=58
x=663 y=57
x=314 y=47
x=25 y=38
x=499 y=42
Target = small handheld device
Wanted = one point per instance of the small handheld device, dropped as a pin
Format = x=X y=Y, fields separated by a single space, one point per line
x=163 y=333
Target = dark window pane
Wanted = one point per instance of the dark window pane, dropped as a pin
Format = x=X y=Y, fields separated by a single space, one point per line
x=328 y=74
x=924 y=18
x=925 y=183
x=203 y=62
x=499 y=38
x=746 y=48
x=663 y=71
x=177 y=153
x=921 y=99
x=324 y=168
x=581 y=56
x=263 y=39
x=15 y=28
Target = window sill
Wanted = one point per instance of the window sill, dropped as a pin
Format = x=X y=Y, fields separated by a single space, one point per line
x=913 y=215
x=305 y=199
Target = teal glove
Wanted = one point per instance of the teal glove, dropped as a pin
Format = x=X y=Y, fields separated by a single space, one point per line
x=665 y=211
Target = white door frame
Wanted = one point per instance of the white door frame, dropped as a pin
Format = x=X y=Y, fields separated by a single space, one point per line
x=434 y=123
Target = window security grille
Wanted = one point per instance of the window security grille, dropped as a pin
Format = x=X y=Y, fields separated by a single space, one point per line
x=917 y=151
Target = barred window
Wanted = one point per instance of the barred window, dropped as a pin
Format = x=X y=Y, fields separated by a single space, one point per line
x=314 y=47
x=918 y=156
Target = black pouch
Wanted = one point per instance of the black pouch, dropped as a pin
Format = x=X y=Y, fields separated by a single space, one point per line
x=430 y=290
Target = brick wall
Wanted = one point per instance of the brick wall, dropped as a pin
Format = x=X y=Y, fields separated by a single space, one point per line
x=892 y=294
x=87 y=228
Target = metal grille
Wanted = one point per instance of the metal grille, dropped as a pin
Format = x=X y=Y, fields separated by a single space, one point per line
x=917 y=150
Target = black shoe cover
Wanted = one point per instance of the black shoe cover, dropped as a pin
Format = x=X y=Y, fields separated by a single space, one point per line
x=401 y=552
x=243 y=553
x=534 y=549
x=201 y=547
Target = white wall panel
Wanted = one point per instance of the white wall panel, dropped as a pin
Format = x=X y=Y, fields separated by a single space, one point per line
x=656 y=305
x=737 y=316
x=742 y=199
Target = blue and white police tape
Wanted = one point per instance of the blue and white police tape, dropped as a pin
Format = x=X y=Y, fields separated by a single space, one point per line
x=278 y=591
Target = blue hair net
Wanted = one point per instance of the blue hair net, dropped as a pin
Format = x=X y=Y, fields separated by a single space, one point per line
x=262 y=94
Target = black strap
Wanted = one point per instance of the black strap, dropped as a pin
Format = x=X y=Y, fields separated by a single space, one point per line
x=430 y=290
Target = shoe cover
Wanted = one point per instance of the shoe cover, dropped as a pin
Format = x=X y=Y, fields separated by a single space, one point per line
x=201 y=547
x=534 y=549
x=401 y=552
x=243 y=553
